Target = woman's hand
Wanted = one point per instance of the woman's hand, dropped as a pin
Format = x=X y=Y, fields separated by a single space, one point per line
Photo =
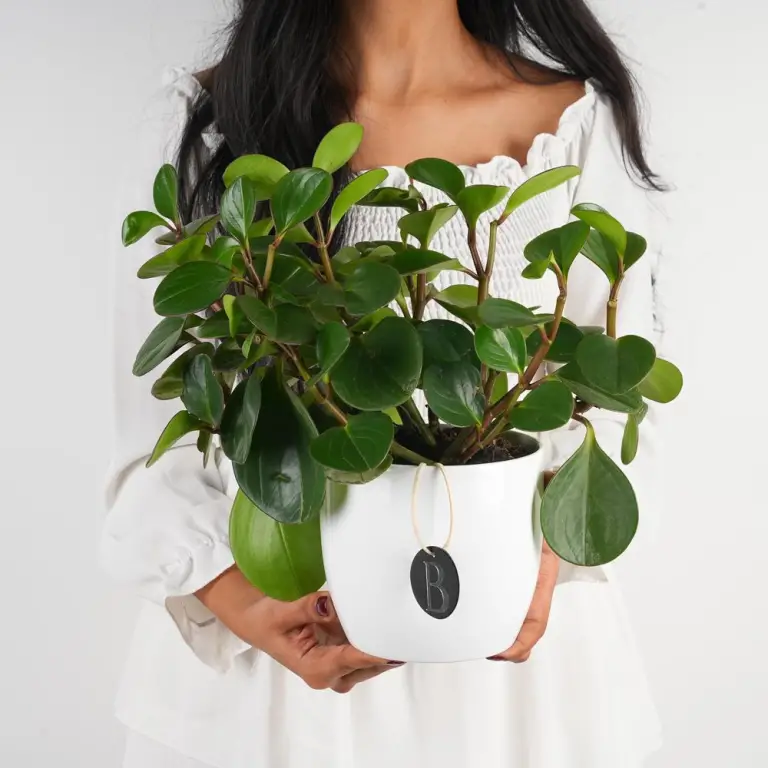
x=535 y=624
x=304 y=636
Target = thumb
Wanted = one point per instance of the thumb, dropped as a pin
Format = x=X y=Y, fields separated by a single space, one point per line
x=316 y=608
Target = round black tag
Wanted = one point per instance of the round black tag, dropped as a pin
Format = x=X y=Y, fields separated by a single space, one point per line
x=435 y=582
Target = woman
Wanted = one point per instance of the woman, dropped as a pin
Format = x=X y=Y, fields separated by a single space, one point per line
x=252 y=686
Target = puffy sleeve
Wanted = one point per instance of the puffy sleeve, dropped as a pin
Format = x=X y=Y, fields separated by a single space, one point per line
x=166 y=529
x=606 y=182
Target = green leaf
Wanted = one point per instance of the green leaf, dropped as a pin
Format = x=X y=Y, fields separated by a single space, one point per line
x=180 y=425
x=391 y=197
x=295 y=325
x=445 y=341
x=284 y=562
x=636 y=247
x=166 y=193
x=573 y=378
x=239 y=420
x=370 y=321
x=338 y=147
x=202 y=226
x=598 y=218
x=603 y=254
x=500 y=388
x=332 y=342
x=164 y=263
x=438 y=173
x=547 y=407
x=259 y=314
x=501 y=349
x=615 y=365
x=359 y=478
x=223 y=251
x=299 y=234
x=503 y=313
x=205 y=446
x=191 y=287
x=631 y=440
x=299 y=196
x=359 y=446
x=291 y=273
x=413 y=261
x=663 y=384
x=345 y=255
x=454 y=392
x=381 y=369
x=474 y=201
x=424 y=225
x=160 y=344
x=228 y=357
x=589 y=511
x=563 y=349
x=261 y=228
x=171 y=384
x=217 y=326
x=280 y=476
x=238 y=208
x=535 y=270
x=262 y=171
x=203 y=395
x=461 y=301
x=234 y=314
x=538 y=185
x=140 y=223
x=564 y=244
x=357 y=189
x=369 y=287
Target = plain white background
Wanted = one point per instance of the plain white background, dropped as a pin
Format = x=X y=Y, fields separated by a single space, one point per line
x=74 y=75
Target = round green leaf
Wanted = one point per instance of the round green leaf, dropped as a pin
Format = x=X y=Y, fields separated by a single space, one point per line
x=171 y=384
x=663 y=384
x=563 y=349
x=280 y=476
x=359 y=446
x=239 y=420
x=259 y=314
x=503 y=313
x=338 y=147
x=573 y=378
x=547 y=407
x=461 y=301
x=535 y=270
x=502 y=349
x=636 y=247
x=371 y=321
x=391 y=197
x=369 y=287
x=191 y=287
x=228 y=357
x=615 y=365
x=180 y=425
x=631 y=440
x=264 y=173
x=284 y=562
x=454 y=392
x=332 y=342
x=298 y=196
x=445 y=341
x=359 y=478
x=295 y=325
x=603 y=254
x=159 y=345
x=238 y=208
x=164 y=263
x=474 y=201
x=217 y=326
x=354 y=192
x=424 y=225
x=139 y=223
x=413 y=261
x=203 y=395
x=538 y=185
x=589 y=511
x=598 y=218
x=437 y=173
x=563 y=244
x=381 y=369
x=166 y=193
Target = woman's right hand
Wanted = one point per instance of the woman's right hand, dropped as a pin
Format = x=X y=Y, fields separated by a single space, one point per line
x=304 y=636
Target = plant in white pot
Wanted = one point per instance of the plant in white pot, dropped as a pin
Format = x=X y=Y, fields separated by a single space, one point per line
x=388 y=453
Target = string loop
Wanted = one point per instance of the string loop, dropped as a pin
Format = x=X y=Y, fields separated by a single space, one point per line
x=414 y=520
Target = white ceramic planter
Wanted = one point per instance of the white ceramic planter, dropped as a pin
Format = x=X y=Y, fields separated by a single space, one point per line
x=369 y=546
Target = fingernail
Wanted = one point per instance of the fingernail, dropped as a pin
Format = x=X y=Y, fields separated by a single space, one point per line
x=496 y=658
x=322 y=607
x=395 y=663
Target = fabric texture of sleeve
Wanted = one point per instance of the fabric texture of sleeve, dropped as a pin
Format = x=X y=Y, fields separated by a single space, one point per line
x=166 y=531
x=606 y=182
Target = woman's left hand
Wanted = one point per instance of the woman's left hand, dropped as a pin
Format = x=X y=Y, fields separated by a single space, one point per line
x=535 y=623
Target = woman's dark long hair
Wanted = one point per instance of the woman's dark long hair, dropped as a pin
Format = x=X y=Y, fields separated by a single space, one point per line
x=274 y=93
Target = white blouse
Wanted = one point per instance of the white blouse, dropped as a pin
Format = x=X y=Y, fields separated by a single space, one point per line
x=581 y=700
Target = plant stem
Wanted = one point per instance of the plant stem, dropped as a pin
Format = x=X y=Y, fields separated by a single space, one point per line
x=323 y=247
x=411 y=456
x=421 y=297
x=472 y=241
x=270 y=264
x=613 y=306
x=401 y=302
x=485 y=277
x=251 y=269
x=323 y=398
x=413 y=413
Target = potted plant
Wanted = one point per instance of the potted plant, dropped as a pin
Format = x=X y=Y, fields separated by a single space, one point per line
x=386 y=452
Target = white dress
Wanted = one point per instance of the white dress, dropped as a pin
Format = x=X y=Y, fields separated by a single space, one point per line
x=193 y=694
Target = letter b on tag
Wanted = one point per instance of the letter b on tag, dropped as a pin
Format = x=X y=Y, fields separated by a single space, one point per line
x=435 y=582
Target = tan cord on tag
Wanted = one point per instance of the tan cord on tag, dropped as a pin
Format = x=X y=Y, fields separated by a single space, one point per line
x=413 y=507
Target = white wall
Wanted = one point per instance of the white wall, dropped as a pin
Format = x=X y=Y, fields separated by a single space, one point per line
x=75 y=74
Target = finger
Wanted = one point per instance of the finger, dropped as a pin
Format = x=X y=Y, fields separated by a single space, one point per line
x=535 y=624
x=348 y=682
x=316 y=608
